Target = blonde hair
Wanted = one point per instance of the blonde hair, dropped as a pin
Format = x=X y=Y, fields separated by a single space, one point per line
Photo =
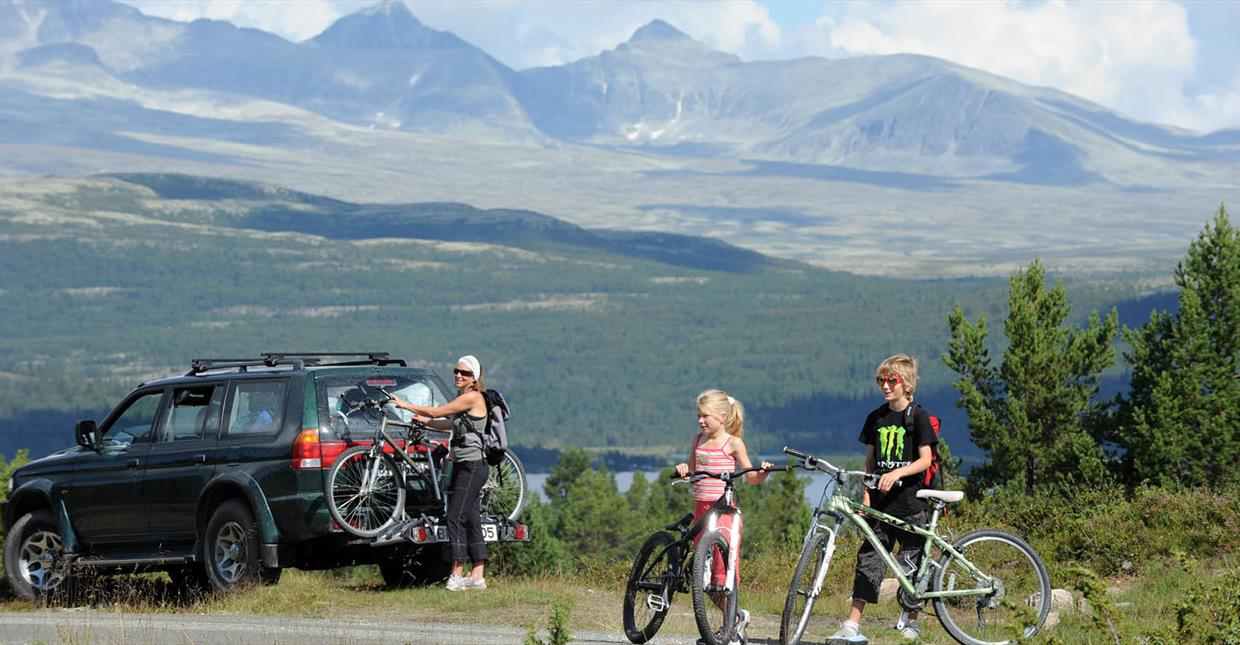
x=733 y=413
x=903 y=366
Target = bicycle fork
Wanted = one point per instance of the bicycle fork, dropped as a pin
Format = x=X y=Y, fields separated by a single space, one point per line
x=820 y=573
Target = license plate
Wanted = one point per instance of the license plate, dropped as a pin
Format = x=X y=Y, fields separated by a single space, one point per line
x=490 y=533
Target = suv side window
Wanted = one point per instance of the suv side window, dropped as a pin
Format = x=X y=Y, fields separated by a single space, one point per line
x=134 y=424
x=257 y=407
x=195 y=413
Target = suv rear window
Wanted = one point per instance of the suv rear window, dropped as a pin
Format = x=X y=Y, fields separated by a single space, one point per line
x=339 y=395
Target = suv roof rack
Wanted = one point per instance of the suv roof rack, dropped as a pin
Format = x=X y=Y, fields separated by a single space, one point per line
x=295 y=360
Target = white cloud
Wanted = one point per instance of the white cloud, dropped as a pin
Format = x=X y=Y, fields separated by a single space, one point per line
x=1134 y=57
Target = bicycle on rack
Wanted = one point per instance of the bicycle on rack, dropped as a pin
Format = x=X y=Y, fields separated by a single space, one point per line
x=988 y=587
x=662 y=570
x=368 y=485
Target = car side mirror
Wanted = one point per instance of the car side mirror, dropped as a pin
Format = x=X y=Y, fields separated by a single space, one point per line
x=84 y=433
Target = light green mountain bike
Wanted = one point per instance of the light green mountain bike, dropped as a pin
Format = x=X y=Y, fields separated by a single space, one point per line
x=987 y=588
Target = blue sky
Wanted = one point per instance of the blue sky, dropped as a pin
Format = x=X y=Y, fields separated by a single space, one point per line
x=1163 y=61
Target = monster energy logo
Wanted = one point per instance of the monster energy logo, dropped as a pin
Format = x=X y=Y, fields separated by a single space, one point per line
x=891 y=442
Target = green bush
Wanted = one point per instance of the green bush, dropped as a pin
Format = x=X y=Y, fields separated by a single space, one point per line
x=1108 y=530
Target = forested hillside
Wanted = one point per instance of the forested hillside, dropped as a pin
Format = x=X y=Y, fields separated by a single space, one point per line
x=599 y=339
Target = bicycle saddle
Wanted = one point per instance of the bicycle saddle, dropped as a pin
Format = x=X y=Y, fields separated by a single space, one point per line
x=945 y=496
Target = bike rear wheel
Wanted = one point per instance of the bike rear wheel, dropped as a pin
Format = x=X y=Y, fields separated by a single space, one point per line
x=806 y=584
x=648 y=594
x=364 y=492
x=505 y=494
x=714 y=605
x=1017 y=603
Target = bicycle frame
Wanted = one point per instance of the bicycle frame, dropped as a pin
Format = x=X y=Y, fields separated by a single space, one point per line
x=840 y=507
x=417 y=437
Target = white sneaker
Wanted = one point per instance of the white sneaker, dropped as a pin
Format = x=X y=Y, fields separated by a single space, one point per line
x=457 y=583
x=742 y=621
x=849 y=633
x=475 y=583
x=910 y=632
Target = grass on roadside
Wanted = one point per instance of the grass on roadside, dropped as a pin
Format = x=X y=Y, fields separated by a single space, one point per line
x=1143 y=605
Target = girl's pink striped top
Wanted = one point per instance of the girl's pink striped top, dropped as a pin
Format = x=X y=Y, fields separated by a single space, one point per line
x=715 y=460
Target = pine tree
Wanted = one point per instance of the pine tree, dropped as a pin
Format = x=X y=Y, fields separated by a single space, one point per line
x=1033 y=414
x=1181 y=421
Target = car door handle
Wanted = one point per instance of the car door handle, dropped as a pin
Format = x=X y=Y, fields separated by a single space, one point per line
x=132 y=463
x=198 y=459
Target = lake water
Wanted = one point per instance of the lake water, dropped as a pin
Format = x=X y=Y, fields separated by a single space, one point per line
x=624 y=479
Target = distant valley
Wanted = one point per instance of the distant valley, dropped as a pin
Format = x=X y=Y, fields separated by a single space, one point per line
x=598 y=339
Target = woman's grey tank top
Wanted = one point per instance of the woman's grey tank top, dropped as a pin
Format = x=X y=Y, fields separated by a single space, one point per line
x=467 y=437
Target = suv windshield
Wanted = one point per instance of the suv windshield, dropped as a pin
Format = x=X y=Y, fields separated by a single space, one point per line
x=342 y=394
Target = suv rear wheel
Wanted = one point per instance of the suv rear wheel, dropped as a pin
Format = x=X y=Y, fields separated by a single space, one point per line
x=34 y=556
x=230 y=549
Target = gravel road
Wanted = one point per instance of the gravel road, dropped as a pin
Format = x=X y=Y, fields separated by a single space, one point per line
x=103 y=627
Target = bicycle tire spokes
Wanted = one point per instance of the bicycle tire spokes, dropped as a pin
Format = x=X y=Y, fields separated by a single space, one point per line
x=1004 y=595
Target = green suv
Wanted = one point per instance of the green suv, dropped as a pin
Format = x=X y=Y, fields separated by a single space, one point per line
x=217 y=477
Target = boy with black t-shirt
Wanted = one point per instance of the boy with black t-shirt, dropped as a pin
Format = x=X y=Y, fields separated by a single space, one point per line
x=896 y=457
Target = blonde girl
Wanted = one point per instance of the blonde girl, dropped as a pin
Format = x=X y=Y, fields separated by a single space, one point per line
x=719 y=447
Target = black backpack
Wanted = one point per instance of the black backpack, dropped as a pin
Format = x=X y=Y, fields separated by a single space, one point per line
x=933 y=476
x=495 y=436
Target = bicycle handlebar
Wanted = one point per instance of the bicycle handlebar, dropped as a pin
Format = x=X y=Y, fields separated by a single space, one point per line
x=695 y=475
x=810 y=462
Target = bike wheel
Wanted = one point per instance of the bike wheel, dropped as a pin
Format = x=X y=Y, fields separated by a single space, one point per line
x=806 y=585
x=1014 y=605
x=504 y=494
x=364 y=492
x=648 y=594
x=714 y=606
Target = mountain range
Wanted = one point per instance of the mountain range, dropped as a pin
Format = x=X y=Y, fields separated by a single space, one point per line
x=885 y=164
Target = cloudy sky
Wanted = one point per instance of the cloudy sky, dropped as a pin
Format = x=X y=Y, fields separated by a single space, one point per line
x=1171 y=62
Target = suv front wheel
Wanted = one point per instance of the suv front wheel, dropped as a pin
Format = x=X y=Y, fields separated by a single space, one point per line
x=230 y=549
x=33 y=556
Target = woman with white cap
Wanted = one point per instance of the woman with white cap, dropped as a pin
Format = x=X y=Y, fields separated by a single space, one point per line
x=467 y=414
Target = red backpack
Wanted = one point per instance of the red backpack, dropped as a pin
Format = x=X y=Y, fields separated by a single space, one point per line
x=933 y=476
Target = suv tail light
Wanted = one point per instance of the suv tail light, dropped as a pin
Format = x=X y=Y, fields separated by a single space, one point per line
x=311 y=453
x=306 y=450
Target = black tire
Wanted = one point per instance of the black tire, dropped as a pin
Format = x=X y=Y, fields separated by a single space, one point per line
x=714 y=607
x=811 y=569
x=648 y=594
x=230 y=549
x=364 y=498
x=1015 y=612
x=33 y=557
x=505 y=493
x=421 y=566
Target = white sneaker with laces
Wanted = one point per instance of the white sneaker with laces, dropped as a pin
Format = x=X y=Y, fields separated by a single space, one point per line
x=910 y=632
x=475 y=583
x=849 y=633
x=742 y=621
x=457 y=583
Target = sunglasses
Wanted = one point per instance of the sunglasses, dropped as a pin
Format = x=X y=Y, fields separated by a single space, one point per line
x=465 y=373
x=889 y=380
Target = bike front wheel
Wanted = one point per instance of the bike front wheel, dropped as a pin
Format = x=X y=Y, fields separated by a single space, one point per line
x=504 y=494
x=648 y=594
x=714 y=600
x=1012 y=590
x=806 y=585
x=364 y=492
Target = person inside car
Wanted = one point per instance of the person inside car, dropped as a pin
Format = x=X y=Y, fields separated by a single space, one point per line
x=466 y=416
